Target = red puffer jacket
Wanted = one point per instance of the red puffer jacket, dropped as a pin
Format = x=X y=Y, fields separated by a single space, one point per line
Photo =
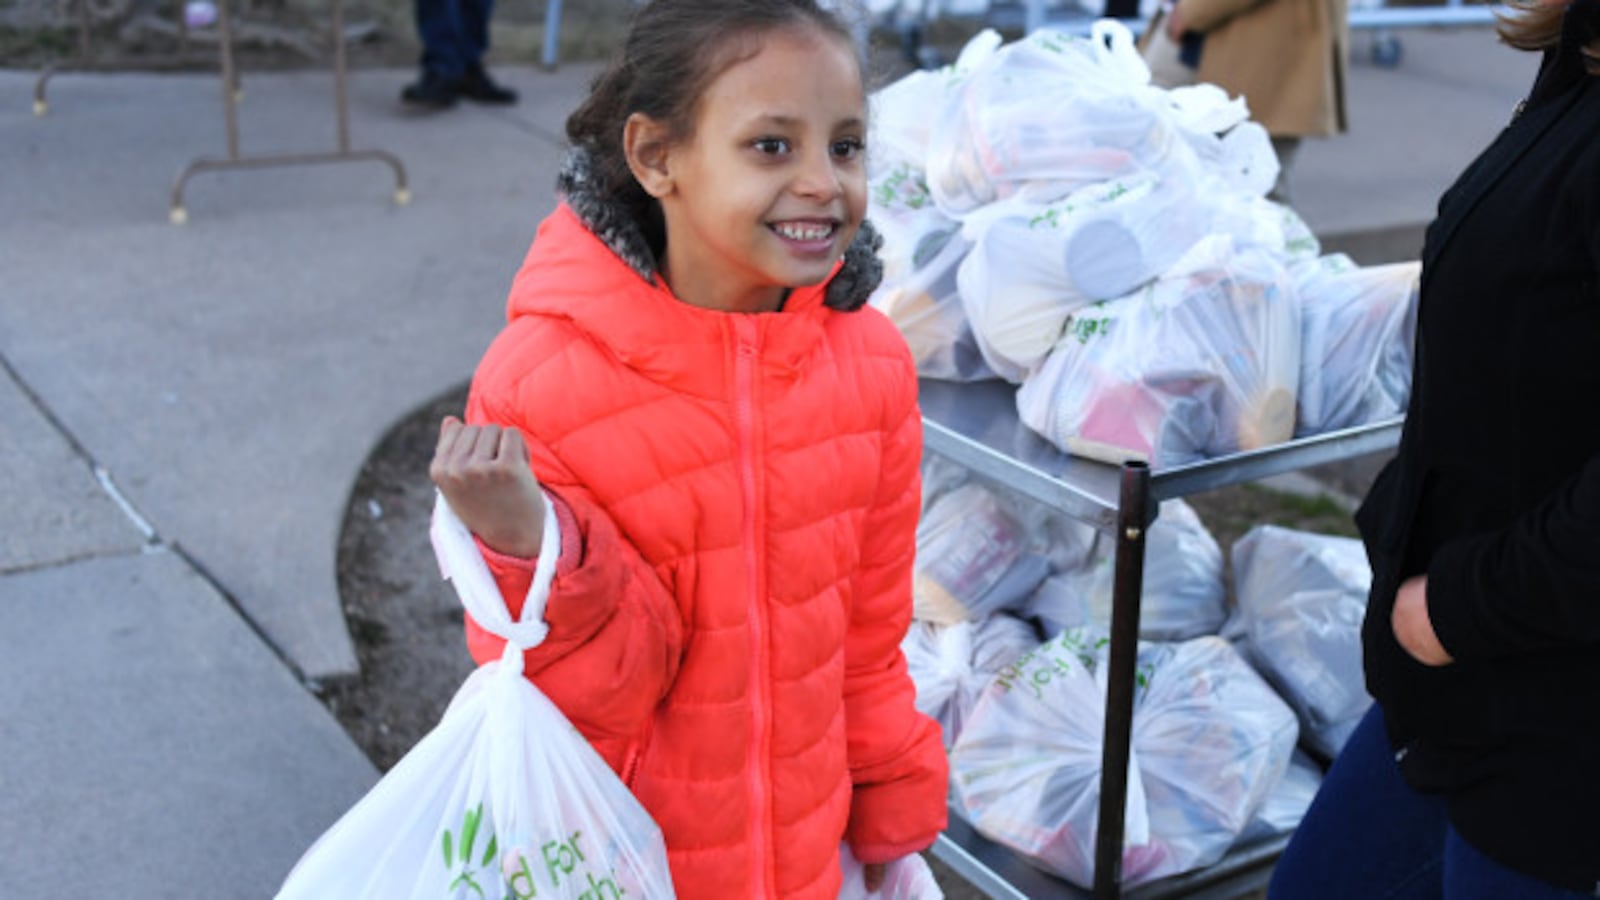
x=739 y=495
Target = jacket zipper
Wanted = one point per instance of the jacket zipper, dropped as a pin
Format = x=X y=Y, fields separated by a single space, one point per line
x=747 y=347
x=635 y=757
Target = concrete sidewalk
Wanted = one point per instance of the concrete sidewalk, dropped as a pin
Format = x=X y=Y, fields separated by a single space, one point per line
x=183 y=411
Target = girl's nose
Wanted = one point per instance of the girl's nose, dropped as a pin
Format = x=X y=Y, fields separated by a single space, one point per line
x=818 y=177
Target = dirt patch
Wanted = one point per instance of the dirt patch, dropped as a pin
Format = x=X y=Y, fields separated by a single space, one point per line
x=404 y=619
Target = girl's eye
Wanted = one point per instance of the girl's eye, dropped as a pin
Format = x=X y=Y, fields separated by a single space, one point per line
x=847 y=148
x=771 y=146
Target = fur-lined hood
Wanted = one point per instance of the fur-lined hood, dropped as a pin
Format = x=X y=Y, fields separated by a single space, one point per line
x=849 y=289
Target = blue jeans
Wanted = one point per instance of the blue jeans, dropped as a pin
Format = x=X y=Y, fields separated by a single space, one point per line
x=1368 y=835
x=454 y=34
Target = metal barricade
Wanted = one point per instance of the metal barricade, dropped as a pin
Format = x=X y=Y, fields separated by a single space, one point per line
x=910 y=20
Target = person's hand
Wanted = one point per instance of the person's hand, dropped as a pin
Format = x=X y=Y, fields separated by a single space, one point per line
x=483 y=472
x=1411 y=624
x=1175 y=23
x=873 y=874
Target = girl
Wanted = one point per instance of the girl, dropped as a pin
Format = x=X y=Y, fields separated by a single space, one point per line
x=1474 y=775
x=729 y=446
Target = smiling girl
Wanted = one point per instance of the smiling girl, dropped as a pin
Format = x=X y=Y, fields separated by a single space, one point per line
x=690 y=390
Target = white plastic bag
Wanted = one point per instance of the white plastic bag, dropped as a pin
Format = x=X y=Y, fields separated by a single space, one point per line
x=1033 y=264
x=1053 y=110
x=1210 y=741
x=503 y=798
x=921 y=253
x=1183 y=594
x=1301 y=600
x=1358 y=325
x=951 y=664
x=1286 y=805
x=1203 y=362
x=907 y=878
x=975 y=556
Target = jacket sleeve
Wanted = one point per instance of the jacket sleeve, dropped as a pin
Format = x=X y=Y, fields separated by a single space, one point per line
x=897 y=761
x=1533 y=585
x=615 y=637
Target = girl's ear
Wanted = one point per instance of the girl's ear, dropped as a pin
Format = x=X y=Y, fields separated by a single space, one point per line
x=645 y=143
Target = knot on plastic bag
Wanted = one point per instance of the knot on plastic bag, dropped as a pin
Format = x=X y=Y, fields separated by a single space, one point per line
x=524 y=637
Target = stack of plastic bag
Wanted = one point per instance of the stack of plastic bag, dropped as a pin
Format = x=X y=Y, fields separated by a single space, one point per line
x=1183 y=594
x=1210 y=742
x=1203 y=362
x=503 y=798
x=1301 y=600
x=951 y=664
x=1029 y=180
x=1358 y=326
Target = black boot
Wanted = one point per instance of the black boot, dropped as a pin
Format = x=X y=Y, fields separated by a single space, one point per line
x=432 y=91
x=477 y=85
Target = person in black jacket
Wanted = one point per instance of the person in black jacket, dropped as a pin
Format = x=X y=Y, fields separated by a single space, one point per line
x=1477 y=774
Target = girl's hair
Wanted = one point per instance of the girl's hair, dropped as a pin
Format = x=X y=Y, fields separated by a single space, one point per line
x=673 y=51
x=1537 y=26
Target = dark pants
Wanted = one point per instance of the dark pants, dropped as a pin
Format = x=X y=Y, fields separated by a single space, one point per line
x=1369 y=835
x=454 y=33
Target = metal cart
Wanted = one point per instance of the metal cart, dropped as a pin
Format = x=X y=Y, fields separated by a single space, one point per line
x=976 y=425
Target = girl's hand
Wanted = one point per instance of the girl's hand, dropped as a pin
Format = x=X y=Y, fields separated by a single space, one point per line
x=1411 y=624
x=483 y=472
x=873 y=874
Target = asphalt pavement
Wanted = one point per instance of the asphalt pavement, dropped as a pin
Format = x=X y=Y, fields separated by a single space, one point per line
x=184 y=409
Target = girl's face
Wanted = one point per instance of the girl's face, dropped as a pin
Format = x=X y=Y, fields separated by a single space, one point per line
x=771 y=187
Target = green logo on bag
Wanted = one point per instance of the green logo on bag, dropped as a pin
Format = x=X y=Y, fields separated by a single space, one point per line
x=459 y=852
x=517 y=878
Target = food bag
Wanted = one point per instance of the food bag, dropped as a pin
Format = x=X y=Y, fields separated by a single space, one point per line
x=975 y=556
x=1052 y=111
x=1183 y=594
x=1203 y=362
x=1210 y=742
x=921 y=246
x=1358 y=326
x=1301 y=600
x=951 y=664
x=1033 y=264
x=1286 y=805
x=503 y=798
x=922 y=251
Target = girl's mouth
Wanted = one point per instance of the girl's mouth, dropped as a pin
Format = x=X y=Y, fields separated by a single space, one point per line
x=805 y=231
x=809 y=236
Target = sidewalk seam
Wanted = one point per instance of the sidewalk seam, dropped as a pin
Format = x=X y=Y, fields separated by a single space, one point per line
x=65 y=561
x=153 y=539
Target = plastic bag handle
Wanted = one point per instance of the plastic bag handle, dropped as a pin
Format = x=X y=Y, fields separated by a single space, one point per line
x=462 y=563
x=1117 y=52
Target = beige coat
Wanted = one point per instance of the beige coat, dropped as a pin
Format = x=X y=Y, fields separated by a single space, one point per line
x=1287 y=57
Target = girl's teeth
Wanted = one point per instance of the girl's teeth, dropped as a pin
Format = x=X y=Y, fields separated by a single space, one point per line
x=804 y=232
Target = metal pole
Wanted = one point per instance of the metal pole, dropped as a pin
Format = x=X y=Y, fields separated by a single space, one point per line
x=1133 y=506
x=83 y=29
x=340 y=103
x=552 y=34
x=230 y=96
